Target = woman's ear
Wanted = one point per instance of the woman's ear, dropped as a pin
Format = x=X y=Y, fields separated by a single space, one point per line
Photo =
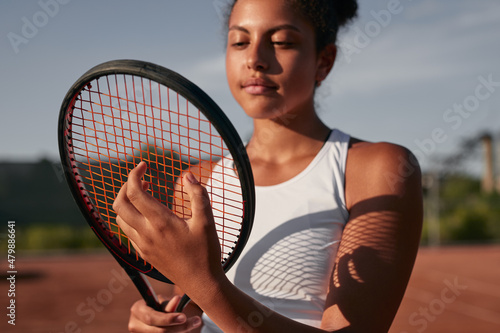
x=326 y=59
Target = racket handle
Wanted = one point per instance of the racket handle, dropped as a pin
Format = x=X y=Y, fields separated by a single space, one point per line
x=182 y=303
x=142 y=284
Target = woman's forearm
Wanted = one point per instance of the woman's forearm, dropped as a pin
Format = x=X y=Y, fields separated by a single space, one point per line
x=234 y=311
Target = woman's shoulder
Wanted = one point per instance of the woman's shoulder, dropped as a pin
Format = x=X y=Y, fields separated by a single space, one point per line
x=379 y=168
x=379 y=152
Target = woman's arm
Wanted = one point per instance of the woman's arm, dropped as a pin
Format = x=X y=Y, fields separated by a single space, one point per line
x=380 y=241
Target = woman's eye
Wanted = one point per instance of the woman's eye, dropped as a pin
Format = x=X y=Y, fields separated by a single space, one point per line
x=239 y=44
x=282 y=43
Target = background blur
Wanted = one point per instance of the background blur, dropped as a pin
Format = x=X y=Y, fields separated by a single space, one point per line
x=422 y=73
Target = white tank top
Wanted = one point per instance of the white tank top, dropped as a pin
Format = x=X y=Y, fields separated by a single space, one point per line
x=287 y=262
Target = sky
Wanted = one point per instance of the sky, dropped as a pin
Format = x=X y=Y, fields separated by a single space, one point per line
x=424 y=74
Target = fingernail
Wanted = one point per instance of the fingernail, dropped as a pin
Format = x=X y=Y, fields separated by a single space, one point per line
x=196 y=321
x=180 y=319
x=191 y=178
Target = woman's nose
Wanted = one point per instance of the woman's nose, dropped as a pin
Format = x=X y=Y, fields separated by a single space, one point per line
x=257 y=55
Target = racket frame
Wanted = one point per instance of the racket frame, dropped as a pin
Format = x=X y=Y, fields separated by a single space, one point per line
x=210 y=110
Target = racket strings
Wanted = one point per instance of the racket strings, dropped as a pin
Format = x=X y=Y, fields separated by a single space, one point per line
x=120 y=120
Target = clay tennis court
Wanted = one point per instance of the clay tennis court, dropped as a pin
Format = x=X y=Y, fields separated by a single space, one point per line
x=452 y=289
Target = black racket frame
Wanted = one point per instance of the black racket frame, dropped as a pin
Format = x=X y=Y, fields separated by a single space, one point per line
x=212 y=112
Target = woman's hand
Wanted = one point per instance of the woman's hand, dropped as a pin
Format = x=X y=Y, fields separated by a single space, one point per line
x=145 y=319
x=185 y=251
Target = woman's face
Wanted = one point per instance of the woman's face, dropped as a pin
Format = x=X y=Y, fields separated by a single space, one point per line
x=271 y=60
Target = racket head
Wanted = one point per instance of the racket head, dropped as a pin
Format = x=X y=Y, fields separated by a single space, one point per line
x=125 y=111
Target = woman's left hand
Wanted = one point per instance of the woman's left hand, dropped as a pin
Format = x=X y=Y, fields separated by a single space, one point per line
x=185 y=251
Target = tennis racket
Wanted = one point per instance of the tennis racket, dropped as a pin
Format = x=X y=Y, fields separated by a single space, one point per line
x=126 y=111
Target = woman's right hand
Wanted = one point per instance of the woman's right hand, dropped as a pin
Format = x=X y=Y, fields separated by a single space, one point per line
x=147 y=320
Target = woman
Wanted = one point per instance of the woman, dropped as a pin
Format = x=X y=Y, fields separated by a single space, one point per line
x=338 y=219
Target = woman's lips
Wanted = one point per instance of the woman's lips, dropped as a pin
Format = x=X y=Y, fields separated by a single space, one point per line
x=257 y=86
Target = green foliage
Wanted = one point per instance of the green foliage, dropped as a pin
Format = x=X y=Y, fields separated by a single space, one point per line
x=457 y=188
x=56 y=237
x=472 y=226
x=466 y=214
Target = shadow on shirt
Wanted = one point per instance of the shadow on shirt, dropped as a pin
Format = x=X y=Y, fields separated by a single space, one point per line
x=290 y=267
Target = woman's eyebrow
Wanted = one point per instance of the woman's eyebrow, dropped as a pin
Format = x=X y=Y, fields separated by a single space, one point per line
x=272 y=30
x=238 y=28
x=284 y=27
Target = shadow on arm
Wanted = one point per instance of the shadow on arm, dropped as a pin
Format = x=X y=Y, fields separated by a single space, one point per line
x=373 y=264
